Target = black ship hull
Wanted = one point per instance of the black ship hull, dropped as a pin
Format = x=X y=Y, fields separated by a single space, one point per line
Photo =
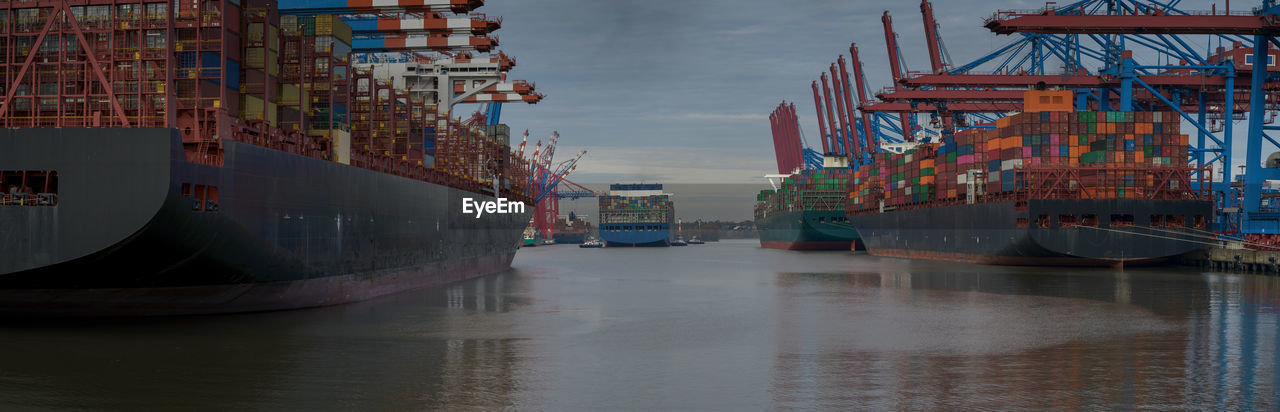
x=1000 y=233
x=570 y=238
x=131 y=235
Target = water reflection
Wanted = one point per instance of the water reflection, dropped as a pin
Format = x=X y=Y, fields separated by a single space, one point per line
x=719 y=326
x=1021 y=338
x=406 y=352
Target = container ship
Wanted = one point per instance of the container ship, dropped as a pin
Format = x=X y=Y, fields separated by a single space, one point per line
x=807 y=211
x=637 y=214
x=570 y=229
x=1048 y=186
x=225 y=158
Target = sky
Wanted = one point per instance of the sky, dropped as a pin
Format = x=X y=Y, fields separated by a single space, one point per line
x=680 y=91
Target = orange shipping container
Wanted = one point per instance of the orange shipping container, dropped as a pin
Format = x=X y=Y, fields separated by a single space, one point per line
x=1047 y=100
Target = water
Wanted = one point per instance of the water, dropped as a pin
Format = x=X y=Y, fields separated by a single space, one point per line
x=708 y=327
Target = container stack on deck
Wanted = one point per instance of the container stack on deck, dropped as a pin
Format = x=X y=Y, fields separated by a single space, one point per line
x=208 y=133
x=1044 y=187
x=822 y=189
x=636 y=209
x=231 y=70
x=1109 y=153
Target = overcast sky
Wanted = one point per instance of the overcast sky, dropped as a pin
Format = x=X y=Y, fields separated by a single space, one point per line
x=681 y=90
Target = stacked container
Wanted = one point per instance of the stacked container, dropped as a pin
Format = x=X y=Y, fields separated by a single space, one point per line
x=1109 y=155
x=636 y=209
x=823 y=189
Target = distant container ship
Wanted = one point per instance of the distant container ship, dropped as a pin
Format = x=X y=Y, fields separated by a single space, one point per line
x=570 y=229
x=807 y=211
x=1045 y=187
x=636 y=215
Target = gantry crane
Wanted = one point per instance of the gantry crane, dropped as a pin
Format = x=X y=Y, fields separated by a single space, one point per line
x=546 y=176
x=789 y=147
x=1208 y=91
x=392 y=39
x=1094 y=41
x=1253 y=35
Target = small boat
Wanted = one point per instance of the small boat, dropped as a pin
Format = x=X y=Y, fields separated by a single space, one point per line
x=679 y=241
x=591 y=243
x=695 y=241
x=530 y=236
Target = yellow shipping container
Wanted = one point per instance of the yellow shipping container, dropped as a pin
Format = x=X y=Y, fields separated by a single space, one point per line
x=251 y=107
x=342 y=146
x=329 y=25
x=273 y=62
x=288 y=94
x=289 y=24
x=294 y=96
x=254 y=58
x=273 y=38
x=253 y=32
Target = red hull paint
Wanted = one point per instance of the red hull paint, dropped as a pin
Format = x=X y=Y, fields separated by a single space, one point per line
x=248 y=297
x=1011 y=260
x=775 y=244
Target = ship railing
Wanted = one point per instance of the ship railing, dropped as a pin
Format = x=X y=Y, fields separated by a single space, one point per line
x=1115 y=182
x=28 y=199
x=1018 y=197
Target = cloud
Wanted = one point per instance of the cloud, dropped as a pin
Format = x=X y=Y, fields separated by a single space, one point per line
x=686 y=95
x=716 y=117
x=743 y=31
x=669 y=165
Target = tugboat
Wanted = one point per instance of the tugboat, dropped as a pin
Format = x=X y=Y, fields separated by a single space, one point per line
x=591 y=243
x=695 y=241
x=530 y=237
x=679 y=241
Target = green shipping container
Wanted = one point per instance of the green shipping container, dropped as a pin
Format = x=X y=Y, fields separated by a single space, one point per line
x=1093 y=157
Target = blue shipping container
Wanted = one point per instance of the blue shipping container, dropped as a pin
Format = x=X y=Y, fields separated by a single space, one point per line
x=233 y=75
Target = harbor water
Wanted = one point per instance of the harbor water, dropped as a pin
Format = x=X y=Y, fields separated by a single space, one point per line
x=721 y=326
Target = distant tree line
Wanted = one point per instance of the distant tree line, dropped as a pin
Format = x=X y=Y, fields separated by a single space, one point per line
x=713 y=230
